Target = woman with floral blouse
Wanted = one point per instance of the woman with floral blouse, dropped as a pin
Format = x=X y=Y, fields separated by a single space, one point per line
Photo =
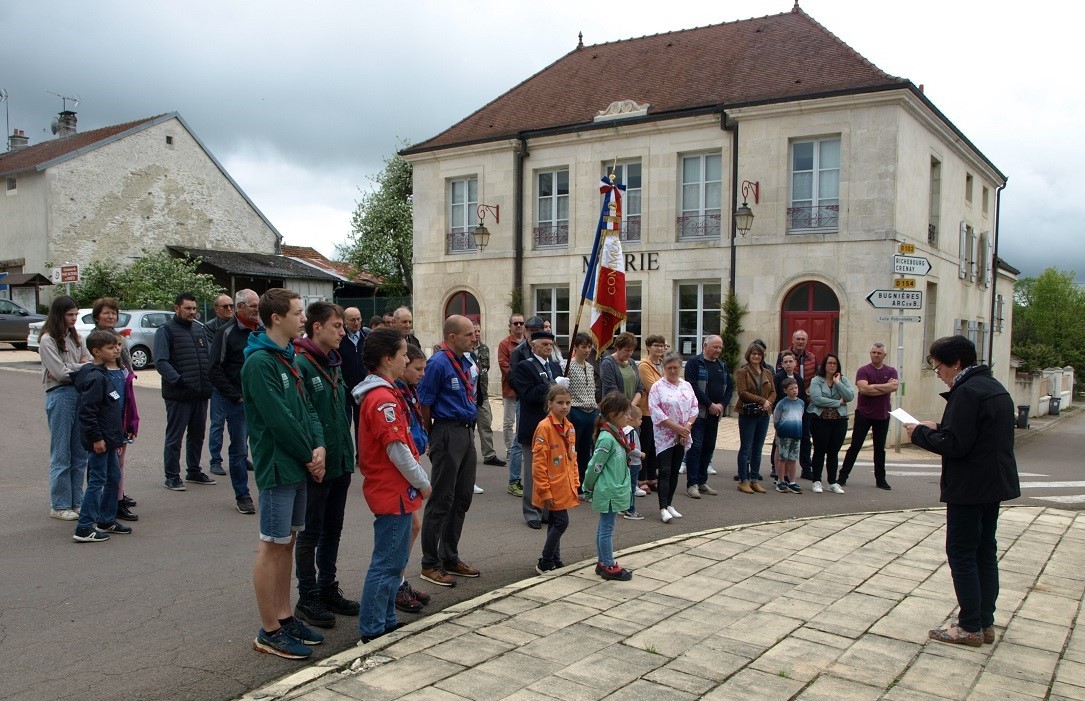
x=673 y=407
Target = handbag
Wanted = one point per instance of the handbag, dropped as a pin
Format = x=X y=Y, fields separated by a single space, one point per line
x=752 y=409
x=830 y=413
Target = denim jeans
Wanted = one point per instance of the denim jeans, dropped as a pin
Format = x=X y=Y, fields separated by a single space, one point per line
x=516 y=452
x=704 y=433
x=527 y=507
x=751 y=431
x=67 y=457
x=103 y=480
x=218 y=421
x=391 y=550
x=972 y=552
x=186 y=420
x=317 y=548
x=584 y=424
x=551 y=552
x=604 y=538
x=238 y=425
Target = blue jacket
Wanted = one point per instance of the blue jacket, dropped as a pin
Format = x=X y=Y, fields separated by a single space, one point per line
x=101 y=407
x=696 y=374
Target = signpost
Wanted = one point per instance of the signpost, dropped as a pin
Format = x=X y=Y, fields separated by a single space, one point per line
x=911 y=265
x=895 y=299
x=900 y=319
x=66 y=274
x=904 y=283
x=907 y=248
x=3 y=286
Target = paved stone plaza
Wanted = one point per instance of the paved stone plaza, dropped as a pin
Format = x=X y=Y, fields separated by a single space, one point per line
x=829 y=608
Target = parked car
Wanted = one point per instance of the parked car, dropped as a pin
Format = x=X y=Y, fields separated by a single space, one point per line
x=137 y=325
x=14 y=323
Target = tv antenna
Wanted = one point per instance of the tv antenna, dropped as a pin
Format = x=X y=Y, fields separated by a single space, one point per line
x=65 y=99
x=7 y=113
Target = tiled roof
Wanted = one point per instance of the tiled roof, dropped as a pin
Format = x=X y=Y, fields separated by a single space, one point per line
x=344 y=270
x=33 y=156
x=780 y=57
x=255 y=264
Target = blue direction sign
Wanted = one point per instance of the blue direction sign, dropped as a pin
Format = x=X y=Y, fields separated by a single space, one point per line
x=3 y=287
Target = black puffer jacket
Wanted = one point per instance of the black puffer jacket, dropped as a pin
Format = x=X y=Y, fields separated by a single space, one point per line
x=975 y=440
x=181 y=357
x=227 y=358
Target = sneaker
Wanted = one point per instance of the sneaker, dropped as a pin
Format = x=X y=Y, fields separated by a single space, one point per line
x=682 y=469
x=705 y=489
x=301 y=632
x=479 y=490
x=335 y=602
x=835 y=488
x=673 y=512
x=175 y=484
x=281 y=644
x=199 y=478
x=545 y=567
x=710 y=470
x=423 y=597
x=89 y=535
x=663 y=514
x=794 y=488
x=438 y=576
x=129 y=501
x=632 y=515
x=615 y=572
x=217 y=469
x=638 y=492
x=405 y=602
x=311 y=609
x=64 y=514
x=692 y=492
x=462 y=569
x=245 y=505
x=126 y=514
x=843 y=481
x=781 y=487
x=114 y=527
x=816 y=488
x=745 y=488
x=495 y=461
x=515 y=489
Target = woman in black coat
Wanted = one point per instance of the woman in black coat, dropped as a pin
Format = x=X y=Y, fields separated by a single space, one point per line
x=975 y=440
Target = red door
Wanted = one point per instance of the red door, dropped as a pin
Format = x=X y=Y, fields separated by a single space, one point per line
x=812 y=307
x=464 y=304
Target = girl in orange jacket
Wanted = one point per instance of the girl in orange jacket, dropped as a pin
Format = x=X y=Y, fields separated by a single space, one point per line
x=554 y=473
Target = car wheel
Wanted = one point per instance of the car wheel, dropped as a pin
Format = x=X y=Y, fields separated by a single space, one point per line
x=141 y=357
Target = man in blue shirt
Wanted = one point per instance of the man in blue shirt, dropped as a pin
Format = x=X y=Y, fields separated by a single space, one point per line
x=449 y=411
x=712 y=384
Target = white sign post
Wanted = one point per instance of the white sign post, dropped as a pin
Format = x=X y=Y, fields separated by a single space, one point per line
x=66 y=274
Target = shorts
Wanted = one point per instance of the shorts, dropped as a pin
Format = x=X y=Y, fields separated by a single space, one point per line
x=787 y=448
x=282 y=512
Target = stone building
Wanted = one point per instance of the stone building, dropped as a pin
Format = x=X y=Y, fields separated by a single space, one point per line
x=839 y=162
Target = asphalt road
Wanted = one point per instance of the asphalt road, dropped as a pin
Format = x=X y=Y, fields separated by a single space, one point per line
x=169 y=612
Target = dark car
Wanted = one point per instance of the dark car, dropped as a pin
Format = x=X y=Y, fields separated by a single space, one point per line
x=15 y=322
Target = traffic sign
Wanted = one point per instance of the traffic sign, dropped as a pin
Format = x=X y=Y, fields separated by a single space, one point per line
x=65 y=273
x=902 y=319
x=895 y=299
x=904 y=283
x=907 y=248
x=911 y=265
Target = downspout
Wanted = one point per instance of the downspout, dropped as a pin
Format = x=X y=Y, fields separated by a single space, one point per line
x=734 y=193
x=994 y=275
x=518 y=207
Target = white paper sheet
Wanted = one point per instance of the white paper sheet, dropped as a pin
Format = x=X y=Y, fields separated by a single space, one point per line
x=904 y=417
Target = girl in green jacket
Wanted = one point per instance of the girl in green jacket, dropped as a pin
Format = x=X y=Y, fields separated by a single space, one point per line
x=606 y=480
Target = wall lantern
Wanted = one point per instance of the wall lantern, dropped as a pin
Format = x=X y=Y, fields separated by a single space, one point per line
x=480 y=233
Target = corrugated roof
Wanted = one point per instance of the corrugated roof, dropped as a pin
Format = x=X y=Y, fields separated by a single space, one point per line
x=780 y=57
x=255 y=264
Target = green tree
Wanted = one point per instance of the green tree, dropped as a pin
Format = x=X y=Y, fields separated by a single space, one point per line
x=1049 y=321
x=732 y=328
x=382 y=228
x=99 y=279
x=151 y=282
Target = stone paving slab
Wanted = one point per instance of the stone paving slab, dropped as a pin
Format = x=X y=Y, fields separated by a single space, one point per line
x=834 y=608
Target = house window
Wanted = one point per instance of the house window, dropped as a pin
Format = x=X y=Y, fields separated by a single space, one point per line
x=967 y=253
x=968 y=189
x=633 y=312
x=702 y=196
x=462 y=214
x=698 y=314
x=815 y=186
x=628 y=173
x=930 y=317
x=552 y=209
x=986 y=199
x=13 y=185
x=552 y=303
x=169 y=141
x=935 y=206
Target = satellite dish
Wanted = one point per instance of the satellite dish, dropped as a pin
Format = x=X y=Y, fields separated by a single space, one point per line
x=55 y=126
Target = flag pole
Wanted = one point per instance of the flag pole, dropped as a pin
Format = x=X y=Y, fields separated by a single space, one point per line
x=593 y=264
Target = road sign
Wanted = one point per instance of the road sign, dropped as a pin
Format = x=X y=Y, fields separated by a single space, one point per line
x=907 y=248
x=904 y=283
x=911 y=265
x=895 y=299
x=65 y=273
x=3 y=287
x=900 y=319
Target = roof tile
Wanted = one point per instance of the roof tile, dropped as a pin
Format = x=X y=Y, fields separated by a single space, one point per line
x=33 y=156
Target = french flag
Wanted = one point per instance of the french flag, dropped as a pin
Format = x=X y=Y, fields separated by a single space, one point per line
x=606 y=282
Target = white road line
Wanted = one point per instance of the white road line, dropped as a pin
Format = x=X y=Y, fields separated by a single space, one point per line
x=1074 y=499
x=910 y=473
x=1052 y=485
x=29 y=370
x=918 y=463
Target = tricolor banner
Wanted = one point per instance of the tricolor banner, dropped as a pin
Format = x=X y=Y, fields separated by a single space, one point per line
x=605 y=280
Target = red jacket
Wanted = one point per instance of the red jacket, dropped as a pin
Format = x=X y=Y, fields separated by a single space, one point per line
x=504 y=358
x=383 y=420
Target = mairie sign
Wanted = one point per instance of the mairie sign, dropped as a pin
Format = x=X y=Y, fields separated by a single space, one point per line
x=896 y=299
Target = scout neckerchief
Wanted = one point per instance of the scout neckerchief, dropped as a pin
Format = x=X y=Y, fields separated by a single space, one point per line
x=468 y=387
x=609 y=428
x=562 y=428
x=333 y=380
x=294 y=372
x=409 y=396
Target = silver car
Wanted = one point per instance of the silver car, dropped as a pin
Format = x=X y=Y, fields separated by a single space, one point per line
x=14 y=322
x=138 y=326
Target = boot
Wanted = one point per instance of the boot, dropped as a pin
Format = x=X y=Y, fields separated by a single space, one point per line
x=745 y=488
x=311 y=609
x=124 y=513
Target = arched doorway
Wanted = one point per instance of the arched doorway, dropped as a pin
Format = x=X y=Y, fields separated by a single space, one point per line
x=813 y=307
x=464 y=304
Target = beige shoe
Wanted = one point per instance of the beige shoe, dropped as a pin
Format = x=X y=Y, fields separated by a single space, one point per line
x=744 y=487
x=756 y=487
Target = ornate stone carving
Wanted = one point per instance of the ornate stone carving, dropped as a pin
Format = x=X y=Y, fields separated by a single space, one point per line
x=622 y=109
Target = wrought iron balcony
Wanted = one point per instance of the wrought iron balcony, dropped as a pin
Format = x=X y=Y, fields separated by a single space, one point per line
x=460 y=242
x=631 y=229
x=813 y=218
x=551 y=235
x=932 y=234
x=700 y=226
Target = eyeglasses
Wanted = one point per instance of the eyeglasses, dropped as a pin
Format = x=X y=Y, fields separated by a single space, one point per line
x=934 y=364
x=517 y=323
x=225 y=306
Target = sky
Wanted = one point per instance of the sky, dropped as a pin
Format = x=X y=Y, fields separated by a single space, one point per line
x=302 y=102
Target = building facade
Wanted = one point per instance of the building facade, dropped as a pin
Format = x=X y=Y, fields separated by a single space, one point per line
x=840 y=163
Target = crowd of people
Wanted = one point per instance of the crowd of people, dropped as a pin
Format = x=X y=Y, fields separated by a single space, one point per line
x=312 y=394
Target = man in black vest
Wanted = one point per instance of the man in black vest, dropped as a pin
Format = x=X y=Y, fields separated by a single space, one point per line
x=350 y=349
x=181 y=357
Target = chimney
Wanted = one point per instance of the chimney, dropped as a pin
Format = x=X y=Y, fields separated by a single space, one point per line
x=18 y=140
x=64 y=124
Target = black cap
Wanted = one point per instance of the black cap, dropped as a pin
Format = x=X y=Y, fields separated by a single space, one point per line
x=534 y=322
x=540 y=335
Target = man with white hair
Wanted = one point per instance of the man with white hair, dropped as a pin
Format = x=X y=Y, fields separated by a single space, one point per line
x=404 y=320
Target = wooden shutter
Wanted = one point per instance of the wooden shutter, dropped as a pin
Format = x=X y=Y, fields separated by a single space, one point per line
x=963 y=250
x=973 y=251
x=988 y=260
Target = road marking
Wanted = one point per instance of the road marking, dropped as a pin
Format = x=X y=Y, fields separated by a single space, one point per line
x=925 y=463
x=910 y=473
x=1074 y=499
x=1052 y=485
x=29 y=370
